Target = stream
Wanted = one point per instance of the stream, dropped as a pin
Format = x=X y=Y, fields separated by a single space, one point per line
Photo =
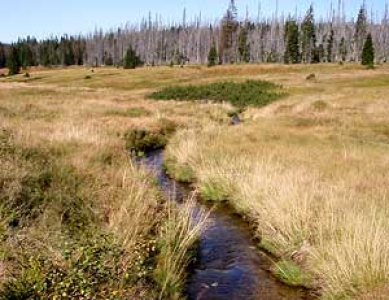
x=229 y=264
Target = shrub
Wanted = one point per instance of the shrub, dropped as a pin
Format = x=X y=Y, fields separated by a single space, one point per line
x=87 y=77
x=257 y=93
x=141 y=140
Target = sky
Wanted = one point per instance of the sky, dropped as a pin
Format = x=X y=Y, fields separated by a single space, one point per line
x=42 y=18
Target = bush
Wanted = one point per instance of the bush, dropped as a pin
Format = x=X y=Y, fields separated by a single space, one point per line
x=257 y=93
x=139 y=141
x=87 y=77
x=91 y=269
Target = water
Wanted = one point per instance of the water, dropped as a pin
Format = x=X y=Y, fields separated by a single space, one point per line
x=229 y=265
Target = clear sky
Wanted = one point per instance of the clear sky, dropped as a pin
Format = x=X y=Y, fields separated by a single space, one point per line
x=41 y=18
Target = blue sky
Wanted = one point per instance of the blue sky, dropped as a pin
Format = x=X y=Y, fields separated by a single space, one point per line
x=42 y=18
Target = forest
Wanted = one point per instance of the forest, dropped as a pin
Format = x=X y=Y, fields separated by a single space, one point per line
x=255 y=38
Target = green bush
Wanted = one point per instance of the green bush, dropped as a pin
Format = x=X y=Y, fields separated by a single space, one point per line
x=257 y=93
x=139 y=141
x=90 y=269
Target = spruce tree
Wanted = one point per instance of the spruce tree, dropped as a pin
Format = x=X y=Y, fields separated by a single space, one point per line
x=330 y=46
x=360 y=32
x=131 y=60
x=368 y=52
x=292 y=50
x=212 y=56
x=13 y=62
x=244 y=47
x=3 y=60
x=343 y=49
x=309 y=36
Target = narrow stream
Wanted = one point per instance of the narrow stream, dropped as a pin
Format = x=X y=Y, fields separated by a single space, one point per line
x=229 y=265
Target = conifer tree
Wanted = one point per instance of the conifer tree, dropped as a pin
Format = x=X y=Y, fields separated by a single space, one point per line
x=343 y=49
x=292 y=50
x=13 y=62
x=330 y=46
x=244 y=47
x=368 y=52
x=229 y=27
x=308 y=36
x=131 y=60
x=3 y=60
x=212 y=56
x=360 y=32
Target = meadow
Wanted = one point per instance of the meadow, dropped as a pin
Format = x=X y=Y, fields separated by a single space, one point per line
x=309 y=171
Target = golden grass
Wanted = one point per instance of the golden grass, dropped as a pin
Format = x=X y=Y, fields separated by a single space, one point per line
x=310 y=171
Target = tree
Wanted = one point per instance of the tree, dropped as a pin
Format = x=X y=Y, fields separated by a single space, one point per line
x=229 y=26
x=13 y=62
x=368 y=52
x=108 y=60
x=343 y=49
x=244 y=47
x=131 y=60
x=360 y=32
x=292 y=50
x=330 y=46
x=3 y=60
x=308 y=42
x=212 y=56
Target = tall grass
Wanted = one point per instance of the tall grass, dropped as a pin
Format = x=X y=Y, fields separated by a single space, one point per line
x=328 y=226
x=179 y=237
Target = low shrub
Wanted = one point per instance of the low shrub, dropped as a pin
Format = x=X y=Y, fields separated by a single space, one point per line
x=258 y=93
x=90 y=269
x=139 y=141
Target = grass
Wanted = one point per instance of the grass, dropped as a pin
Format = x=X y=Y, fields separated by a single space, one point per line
x=292 y=275
x=309 y=171
x=256 y=93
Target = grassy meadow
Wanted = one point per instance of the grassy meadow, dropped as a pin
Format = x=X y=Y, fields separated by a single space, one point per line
x=310 y=172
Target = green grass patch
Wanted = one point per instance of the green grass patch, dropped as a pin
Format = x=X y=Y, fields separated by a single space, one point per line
x=251 y=92
x=291 y=274
x=213 y=191
x=181 y=173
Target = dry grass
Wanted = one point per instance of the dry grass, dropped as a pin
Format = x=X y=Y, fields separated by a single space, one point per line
x=311 y=172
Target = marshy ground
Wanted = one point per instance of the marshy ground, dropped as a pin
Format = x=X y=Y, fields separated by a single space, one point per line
x=310 y=172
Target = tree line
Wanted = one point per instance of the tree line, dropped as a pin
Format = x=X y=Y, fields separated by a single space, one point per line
x=280 y=38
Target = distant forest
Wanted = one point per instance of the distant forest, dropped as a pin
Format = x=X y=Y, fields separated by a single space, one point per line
x=232 y=39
